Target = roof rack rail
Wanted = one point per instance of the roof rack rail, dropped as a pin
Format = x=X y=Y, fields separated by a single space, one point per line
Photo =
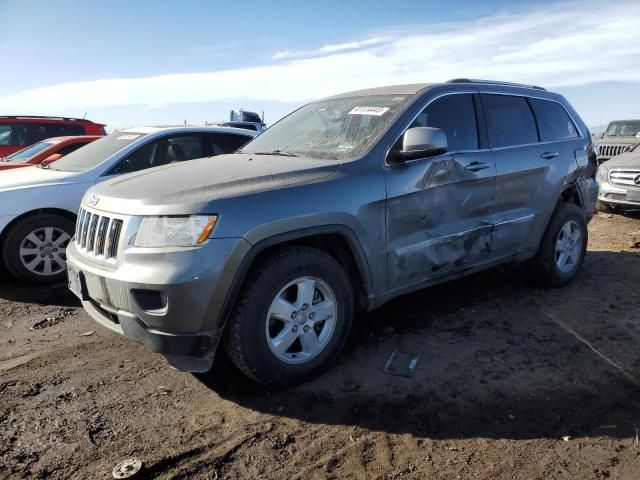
x=48 y=117
x=493 y=82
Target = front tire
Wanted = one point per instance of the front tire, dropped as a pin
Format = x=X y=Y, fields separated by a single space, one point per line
x=562 y=248
x=292 y=318
x=34 y=249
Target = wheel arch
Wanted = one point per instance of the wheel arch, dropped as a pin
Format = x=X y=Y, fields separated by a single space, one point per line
x=338 y=241
x=32 y=213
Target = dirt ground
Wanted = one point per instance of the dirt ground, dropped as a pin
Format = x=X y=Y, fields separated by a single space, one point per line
x=506 y=371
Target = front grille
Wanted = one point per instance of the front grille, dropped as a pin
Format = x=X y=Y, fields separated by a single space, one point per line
x=98 y=235
x=624 y=178
x=608 y=151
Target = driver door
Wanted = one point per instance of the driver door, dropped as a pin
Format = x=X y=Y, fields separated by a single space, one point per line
x=439 y=209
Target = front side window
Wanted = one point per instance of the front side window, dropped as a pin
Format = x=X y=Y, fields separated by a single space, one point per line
x=13 y=134
x=456 y=116
x=555 y=124
x=163 y=151
x=338 y=129
x=510 y=120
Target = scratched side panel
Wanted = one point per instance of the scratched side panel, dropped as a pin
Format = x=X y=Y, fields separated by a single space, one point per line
x=438 y=217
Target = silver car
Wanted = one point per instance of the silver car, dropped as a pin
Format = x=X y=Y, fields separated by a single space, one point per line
x=339 y=207
x=619 y=181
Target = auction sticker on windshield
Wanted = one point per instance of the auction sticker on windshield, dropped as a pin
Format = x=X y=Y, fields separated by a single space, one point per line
x=377 y=111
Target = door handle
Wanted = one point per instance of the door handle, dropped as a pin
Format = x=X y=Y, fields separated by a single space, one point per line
x=475 y=166
x=549 y=155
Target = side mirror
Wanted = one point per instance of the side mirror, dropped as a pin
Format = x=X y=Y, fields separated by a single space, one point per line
x=52 y=158
x=421 y=142
x=601 y=135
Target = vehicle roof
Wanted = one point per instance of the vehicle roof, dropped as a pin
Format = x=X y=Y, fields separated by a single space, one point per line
x=28 y=118
x=71 y=138
x=414 y=88
x=191 y=128
x=627 y=120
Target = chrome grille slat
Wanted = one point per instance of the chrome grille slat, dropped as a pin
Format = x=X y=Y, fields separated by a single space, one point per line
x=91 y=236
x=101 y=235
x=624 y=177
x=114 y=235
x=98 y=235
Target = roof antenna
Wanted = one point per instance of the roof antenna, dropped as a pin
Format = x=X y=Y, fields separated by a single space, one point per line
x=85 y=116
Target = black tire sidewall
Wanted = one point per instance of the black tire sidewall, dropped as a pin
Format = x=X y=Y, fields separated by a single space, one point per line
x=14 y=238
x=258 y=358
x=547 y=267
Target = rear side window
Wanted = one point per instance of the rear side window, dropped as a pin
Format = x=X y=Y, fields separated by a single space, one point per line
x=456 y=115
x=226 y=142
x=13 y=134
x=510 y=120
x=42 y=131
x=555 y=124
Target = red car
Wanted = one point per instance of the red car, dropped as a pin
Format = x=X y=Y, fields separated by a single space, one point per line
x=18 y=132
x=46 y=151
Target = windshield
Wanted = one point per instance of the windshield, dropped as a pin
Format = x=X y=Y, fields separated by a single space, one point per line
x=623 y=129
x=29 y=152
x=96 y=152
x=339 y=129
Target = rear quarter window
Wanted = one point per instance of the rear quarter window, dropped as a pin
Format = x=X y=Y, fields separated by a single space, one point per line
x=555 y=124
x=227 y=142
x=510 y=120
x=42 y=131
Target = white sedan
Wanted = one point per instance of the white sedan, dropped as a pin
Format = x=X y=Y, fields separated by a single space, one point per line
x=38 y=205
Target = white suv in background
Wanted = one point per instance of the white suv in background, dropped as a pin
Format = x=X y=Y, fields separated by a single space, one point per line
x=38 y=205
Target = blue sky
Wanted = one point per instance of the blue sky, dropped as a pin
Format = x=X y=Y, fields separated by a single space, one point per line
x=143 y=62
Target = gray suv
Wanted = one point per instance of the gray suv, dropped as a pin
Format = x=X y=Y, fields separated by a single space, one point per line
x=341 y=206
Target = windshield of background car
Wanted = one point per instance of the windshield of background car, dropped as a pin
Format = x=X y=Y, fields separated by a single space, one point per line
x=29 y=152
x=623 y=129
x=96 y=152
x=337 y=129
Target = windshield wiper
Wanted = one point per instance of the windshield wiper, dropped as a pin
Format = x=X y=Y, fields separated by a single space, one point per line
x=46 y=166
x=282 y=153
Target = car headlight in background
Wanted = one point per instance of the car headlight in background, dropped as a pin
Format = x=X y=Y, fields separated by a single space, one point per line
x=175 y=231
x=602 y=175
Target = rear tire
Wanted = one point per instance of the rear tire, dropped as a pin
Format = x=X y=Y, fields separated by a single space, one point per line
x=34 y=248
x=562 y=248
x=292 y=317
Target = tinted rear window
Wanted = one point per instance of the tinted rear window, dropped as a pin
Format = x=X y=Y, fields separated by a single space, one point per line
x=226 y=142
x=14 y=134
x=510 y=120
x=555 y=124
x=42 y=131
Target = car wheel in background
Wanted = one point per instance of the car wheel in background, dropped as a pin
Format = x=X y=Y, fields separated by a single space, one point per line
x=563 y=247
x=292 y=317
x=34 y=248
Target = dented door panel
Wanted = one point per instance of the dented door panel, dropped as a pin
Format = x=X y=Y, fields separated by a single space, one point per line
x=438 y=215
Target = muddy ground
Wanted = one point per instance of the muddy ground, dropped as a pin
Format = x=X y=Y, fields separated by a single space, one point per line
x=506 y=371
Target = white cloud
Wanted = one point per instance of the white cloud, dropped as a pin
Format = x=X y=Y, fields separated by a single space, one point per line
x=554 y=46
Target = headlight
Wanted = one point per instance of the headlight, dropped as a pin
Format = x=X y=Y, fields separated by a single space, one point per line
x=602 y=175
x=172 y=231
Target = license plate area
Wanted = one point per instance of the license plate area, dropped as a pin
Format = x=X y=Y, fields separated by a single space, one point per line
x=633 y=195
x=76 y=282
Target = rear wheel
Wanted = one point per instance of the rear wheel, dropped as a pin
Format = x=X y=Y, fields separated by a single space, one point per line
x=292 y=318
x=563 y=247
x=34 y=249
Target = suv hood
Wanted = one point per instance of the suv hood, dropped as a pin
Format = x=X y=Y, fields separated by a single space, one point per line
x=617 y=140
x=189 y=186
x=17 y=178
x=624 y=160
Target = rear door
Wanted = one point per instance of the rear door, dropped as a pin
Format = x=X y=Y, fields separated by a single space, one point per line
x=439 y=208
x=531 y=163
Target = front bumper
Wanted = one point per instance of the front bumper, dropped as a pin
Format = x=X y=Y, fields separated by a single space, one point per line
x=169 y=301
x=615 y=195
